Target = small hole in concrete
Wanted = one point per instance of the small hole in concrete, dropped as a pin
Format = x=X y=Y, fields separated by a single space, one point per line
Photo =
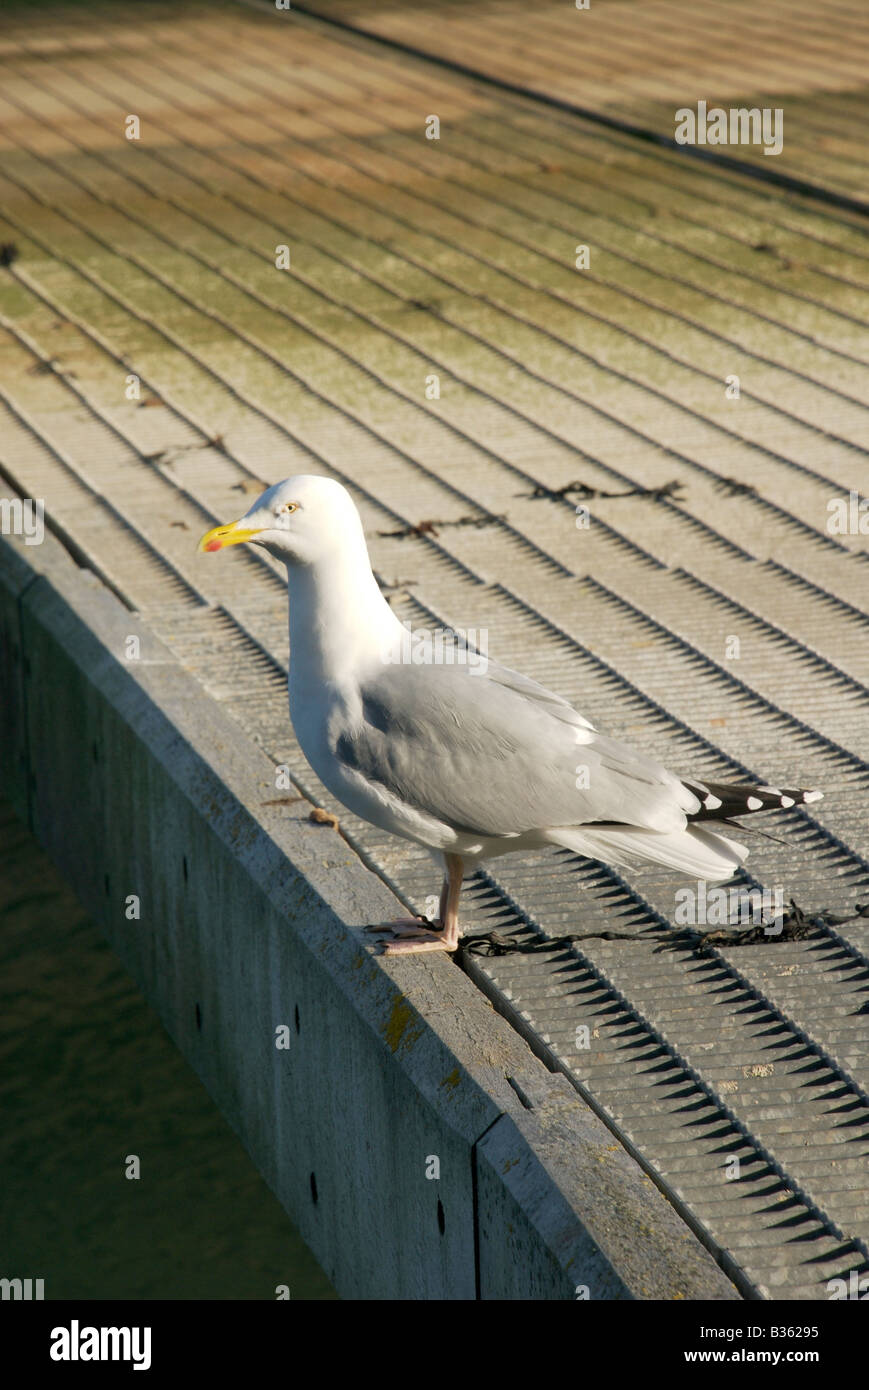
x=184 y=866
x=313 y=1189
x=95 y=753
x=298 y=1024
x=442 y=1223
x=198 y=1018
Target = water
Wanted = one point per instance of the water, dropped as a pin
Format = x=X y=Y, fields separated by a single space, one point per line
x=87 y=1076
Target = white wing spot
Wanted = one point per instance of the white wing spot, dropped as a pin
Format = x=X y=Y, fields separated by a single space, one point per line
x=754 y=803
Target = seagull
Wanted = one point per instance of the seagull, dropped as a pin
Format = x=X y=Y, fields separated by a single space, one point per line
x=465 y=757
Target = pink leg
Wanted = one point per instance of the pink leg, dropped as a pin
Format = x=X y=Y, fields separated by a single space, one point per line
x=409 y=936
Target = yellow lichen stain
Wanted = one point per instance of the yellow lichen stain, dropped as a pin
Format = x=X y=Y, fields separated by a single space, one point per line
x=396 y=1030
x=511 y=1163
x=453 y=1079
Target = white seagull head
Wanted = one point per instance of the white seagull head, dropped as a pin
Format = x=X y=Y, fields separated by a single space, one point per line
x=301 y=521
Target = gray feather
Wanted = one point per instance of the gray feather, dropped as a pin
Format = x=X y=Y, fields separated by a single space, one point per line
x=495 y=754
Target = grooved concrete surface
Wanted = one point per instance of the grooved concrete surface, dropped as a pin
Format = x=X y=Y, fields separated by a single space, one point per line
x=712 y=610
x=640 y=61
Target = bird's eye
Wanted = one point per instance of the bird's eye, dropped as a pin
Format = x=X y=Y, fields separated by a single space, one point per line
x=287 y=507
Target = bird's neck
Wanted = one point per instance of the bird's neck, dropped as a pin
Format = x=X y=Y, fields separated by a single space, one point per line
x=340 y=623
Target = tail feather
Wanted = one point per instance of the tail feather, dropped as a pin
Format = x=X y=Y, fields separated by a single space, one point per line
x=722 y=800
x=696 y=852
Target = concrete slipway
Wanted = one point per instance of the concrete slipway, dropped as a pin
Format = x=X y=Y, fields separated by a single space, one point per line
x=707 y=611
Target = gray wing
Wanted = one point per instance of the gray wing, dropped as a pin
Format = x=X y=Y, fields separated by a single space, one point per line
x=496 y=754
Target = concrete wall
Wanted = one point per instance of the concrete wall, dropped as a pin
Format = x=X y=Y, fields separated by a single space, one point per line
x=251 y=917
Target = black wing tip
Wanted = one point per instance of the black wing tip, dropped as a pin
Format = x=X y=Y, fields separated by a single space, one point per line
x=724 y=799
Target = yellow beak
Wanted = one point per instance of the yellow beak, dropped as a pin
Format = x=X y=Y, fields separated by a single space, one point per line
x=231 y=534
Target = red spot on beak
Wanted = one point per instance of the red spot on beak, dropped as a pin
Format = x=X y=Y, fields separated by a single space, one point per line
x=214 y=545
